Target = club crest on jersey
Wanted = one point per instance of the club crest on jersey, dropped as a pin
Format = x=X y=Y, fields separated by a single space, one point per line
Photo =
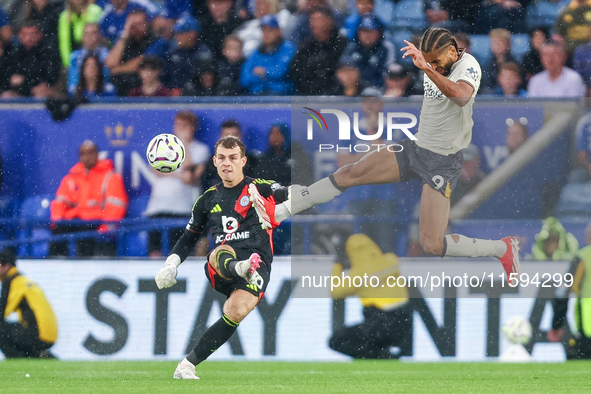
x=244 y=201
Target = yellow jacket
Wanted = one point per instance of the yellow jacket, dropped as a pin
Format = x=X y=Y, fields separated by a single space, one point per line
x=23 y=296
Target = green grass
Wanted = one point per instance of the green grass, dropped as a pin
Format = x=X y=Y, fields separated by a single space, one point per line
x=51 y=376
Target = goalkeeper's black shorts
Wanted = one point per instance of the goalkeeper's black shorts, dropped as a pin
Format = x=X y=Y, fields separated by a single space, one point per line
x=226 y=287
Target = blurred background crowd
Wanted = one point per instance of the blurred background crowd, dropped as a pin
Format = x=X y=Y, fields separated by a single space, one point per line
x=142 y=48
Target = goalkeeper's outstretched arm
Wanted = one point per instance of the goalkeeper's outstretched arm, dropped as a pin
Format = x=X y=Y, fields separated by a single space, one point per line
x=166 y=277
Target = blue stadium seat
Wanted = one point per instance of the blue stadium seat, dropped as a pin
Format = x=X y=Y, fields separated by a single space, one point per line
x=137 y=205
x=519 y=45
x=135 y=244
x=480 y=47
x=543 y=13
x=575 y=201
x=384 y=10
x=409 y=14
x=35 y=207
x=9 y=206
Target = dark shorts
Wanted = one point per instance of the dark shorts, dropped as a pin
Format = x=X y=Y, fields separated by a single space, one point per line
x=226 y=287
x=438 y=171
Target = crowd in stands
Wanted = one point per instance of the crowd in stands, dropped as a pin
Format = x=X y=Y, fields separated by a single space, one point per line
x=94 y=48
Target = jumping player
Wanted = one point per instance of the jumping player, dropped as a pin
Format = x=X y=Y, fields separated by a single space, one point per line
x=451 y=80
x=240 y=264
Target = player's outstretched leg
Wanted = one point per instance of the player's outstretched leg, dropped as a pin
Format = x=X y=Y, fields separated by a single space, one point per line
x=375 y=168
x=433 y=224
x=236 y=308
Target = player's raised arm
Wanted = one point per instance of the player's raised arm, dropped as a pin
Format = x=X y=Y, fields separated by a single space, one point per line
x=436 y=63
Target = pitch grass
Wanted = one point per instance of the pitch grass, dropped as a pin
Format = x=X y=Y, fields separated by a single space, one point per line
x=52 y=376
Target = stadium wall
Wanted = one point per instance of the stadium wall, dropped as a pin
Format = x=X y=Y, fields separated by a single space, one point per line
x=37 y=151
x=112 y=310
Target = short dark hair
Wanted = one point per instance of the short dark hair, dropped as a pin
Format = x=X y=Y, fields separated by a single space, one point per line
x=230 y=142
x=29 y=23
x=7 y=257
x=151 y=61
x=231 y=123
x=437 y=38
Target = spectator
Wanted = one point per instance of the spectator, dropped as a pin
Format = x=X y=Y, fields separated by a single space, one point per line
x=210 y=176
x=517 y=134
x=91 y=192
x=372 y=52
x=92 y=81
x=183 y=186
x=532 y=63
x=494 y=14
x=301 y=30
x=387 y=314
x=470 y=175
x=150 y=70
x=173 y=11
x=71 y=25
x=348 y=80
x=4 y=77
x=47 y=14
x=554 y=243
x=364 y=9
x=36 y=331
x=91 y=44
x=265 y=71
x=582 y=62
x=454 y=15
x=556 y=80
x=463 y=41
x=579 y=342
x=582 y=174
x=5 y=29
x=397 y=81
x=510 y=81
x=314 y=65
x=204 y=81
x=250 y=32
x=572 y=25
x=186 y=51
x=127 y=53
x=220 y=20
x=116 y=13
x=500 y=40
x=230 y=66
x=32 y=67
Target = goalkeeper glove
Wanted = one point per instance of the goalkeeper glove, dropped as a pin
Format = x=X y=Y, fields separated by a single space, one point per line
x=166 y=276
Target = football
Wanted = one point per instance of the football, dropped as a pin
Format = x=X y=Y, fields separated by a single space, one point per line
x=517 y=330
x=165 y=152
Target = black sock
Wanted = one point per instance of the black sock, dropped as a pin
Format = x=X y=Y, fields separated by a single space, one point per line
x=227 y=262
x=212 y=339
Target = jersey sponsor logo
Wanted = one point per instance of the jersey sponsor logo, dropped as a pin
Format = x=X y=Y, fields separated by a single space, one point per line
x=229 y=224
x=244 y=201
x=217 y=208
x=232 y=236
x=431 y=90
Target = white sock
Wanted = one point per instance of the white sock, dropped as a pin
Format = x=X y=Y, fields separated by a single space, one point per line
x=304 y=197
x=473 y=247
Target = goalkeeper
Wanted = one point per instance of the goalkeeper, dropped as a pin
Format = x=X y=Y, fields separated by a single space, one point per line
x=240 y=264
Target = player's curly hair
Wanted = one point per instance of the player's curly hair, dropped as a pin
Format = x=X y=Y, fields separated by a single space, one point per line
x=437 y=38
x=230 y=142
